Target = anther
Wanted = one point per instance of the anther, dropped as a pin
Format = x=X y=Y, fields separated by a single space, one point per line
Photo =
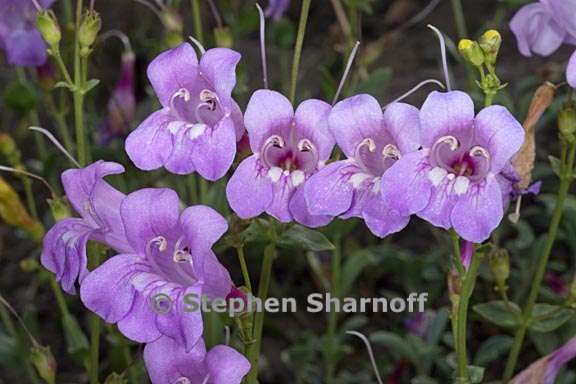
x=391 y=151
x=479 y=151
x=183 y=380
x=160 y=242
x=273 y=141
x=210 y=98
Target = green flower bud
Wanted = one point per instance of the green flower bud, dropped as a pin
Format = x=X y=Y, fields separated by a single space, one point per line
x=490 y=43
x=567 y=122
x=49 y=28
x=44 y=362
x=60 y=208
x=89 y=28
x=471 y=51
x=500 y=266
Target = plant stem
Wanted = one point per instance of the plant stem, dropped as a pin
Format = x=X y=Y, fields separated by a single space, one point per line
x=336 y=288
x=78 y=92
x=244 y=267
x=298 y=48
x=59 y=297
x=94 y=328
x=565 y=182
x=253 y=350
x=456 y=253
x=197 y=19
x=459 y=19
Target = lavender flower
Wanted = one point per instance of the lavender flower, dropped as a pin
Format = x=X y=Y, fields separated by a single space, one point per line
x=19 y=37
x=543 y=26
x=64 y=248
x=372 y=142
x=288 y=148
x=571 y=71
x=199 y=123
x=455 y=180
x=169 y=363
x=276 y=9
x=545 y=370
x=144 y=290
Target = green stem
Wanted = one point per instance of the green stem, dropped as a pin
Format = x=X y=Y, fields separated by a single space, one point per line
x=330 y=353
x=298 y=48
x=244 y=267
x=95 y=328
x=59 y=297
x=197 y=19
x=456 y=253
x=462 y=319
x=253 y=350
x=459 y=19
x=565 y=182
x=78 y=92
x=60 y=121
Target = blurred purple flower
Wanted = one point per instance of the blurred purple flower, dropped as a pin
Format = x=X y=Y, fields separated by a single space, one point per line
x=288 y=148
x=98 y=203
x=276 y=9
x=372 y=142
x=19 y=37
x=199 y=123
x=167 y=362
x=545 y=370
x=144 y=290
x=453 y=182
x=571 y=71
x=544 y=26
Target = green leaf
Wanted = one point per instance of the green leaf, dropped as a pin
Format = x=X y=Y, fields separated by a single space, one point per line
x=556 y=165
x=395 y=344
x=547 y=317
x=437 y=326
x=257 y=231
x=76 y=340
x=300 y=237
x=492 y=349
x=499 y=313
x=64 y=84
x=476 y=374
x=353 y=266
x=20 y=96
x=90 y=84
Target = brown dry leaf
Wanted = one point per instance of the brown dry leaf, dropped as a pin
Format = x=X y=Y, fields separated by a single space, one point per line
x=12 y=211
x=524 y=160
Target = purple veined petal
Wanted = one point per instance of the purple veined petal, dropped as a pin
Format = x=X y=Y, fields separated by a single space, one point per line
x=139 y=324
x=218 y=66
x=150 y=145
x=380 y=219
x=226 y=365
x=202 y=226
x=181 y=160
x=536 y=30
x=149 y=213
x=172 y=70
x=363 y=194
x=249 y=191
x=299 y=210
x=217 y=281
x=500 y=133
x=564 y=12
x=403 y=122
x=405 y=186
x=353 y=120
x=267 y=113
x=166 y=361
x=214 y=151
x=283 y=192
x=447 y=114
x=25 y=47
x=571 y=71
x=478 y=212
x=442 y=200
x=64 y=251
x=182 y=324
x=107 y=290
x=329 y=192
x=311 y=119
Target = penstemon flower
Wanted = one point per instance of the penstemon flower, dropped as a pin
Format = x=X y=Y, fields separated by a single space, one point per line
x=372 y=142
x=168 y=363
x=276 y=9
x=144 y=290
x=544 y=26
x=19 y=37
x=199 y=123
x=98 y=204
x=571 y=71
x=288 y=148
x=455 y=180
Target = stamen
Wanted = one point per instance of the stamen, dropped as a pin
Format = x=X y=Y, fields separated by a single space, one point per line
x=479 y=151
x=514 y=217
x=183 y=380
x=209 y=97
x=346 y=72
x=198 y=45
x=371 y=145
x=159 y=241
x=391 y=151
x=452 y=143
x=307 y=146
x=274 y=141
x=263 y=45
x=370 y=353
x=443 y=52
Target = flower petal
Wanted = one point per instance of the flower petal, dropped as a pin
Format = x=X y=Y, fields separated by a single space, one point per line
x=166 y=361
x=148 y=213
x=283 y=192
x=149 y=146
x=442 y=201
x=249 y=191
x=353 y=120
x=226 y=365
x=25 y=47
x=444 y=114
x=214 y=151
x=139 y=324
x=500 y=133
x=380 y=219
x=311 y=118
x=267 y=113
x=329 y=192
x=403 y=122
x=172 y=70
x=202 y=226
x=299 y=210
x=478 y=212
x=536 y=30
x=564 y=11
x=218 y=66
x=571 y=71
x=217 y=281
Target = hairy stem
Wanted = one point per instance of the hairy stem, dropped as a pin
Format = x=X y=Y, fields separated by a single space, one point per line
x=298 y=48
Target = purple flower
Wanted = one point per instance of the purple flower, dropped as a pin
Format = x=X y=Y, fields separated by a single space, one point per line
x=455 y=180
x=372 y=142
x=571 y=71
x=19 y=37
x=199 y=123
x=542 y=27
x=288 y=148
x=169 y=363
x=64 y=248
x=545 y=370
x=144 y=290
x=276 y=9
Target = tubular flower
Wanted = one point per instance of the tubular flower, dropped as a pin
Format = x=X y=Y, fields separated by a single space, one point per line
x=372 y=142
x=98 y=204
x=544 y=26
x=571 y=71
x=19 y=37
x=169 y=363
x=460 y=179
x=199 y=123
x=288 y=147
x=145 y=290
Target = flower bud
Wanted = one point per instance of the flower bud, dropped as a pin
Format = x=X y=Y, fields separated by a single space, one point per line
x=490 y=43
x=567 y=122
x=89 y=28
x=471 y=51
x=44 y=362
x=59 y=208
x=500 y=267
x=49 y=28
